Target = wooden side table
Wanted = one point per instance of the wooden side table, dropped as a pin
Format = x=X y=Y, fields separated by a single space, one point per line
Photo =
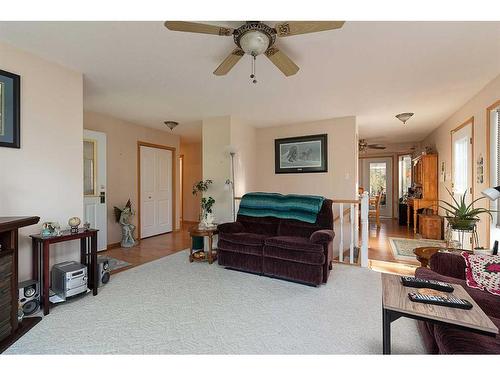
x=423 y=254
x=88 y=241
x=211 y=254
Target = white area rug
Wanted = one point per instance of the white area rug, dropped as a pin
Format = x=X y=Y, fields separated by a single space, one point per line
x=402 y=248
x=171 y=306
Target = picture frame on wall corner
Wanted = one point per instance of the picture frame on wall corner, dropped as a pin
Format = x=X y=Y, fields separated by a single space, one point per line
x=10 y=110
x=306 y=154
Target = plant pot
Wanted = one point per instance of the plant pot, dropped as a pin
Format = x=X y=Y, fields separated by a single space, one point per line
x=462 y=224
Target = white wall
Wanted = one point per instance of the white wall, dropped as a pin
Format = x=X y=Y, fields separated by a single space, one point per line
x=44 y=177
x=243 y=139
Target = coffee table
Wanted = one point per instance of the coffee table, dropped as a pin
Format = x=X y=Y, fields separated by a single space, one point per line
x=396 y=304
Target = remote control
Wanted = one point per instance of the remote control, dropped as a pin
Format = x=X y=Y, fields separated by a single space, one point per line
x=450 y=301
x=414 y=282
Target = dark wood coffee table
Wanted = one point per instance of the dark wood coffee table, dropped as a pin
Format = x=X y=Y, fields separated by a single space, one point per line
x=396 y=304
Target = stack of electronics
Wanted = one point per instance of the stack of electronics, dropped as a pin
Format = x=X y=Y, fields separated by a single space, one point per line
x=68 y=279
x=431 y=292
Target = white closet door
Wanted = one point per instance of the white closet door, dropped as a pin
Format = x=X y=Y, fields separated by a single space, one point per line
x=156 y=191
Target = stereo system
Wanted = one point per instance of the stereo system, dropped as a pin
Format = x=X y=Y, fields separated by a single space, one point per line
x=103 y=275
x=69 y=279
x=29 y=296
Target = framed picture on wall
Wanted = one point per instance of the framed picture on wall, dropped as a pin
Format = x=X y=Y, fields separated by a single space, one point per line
x=308 y=154
x=10 y=109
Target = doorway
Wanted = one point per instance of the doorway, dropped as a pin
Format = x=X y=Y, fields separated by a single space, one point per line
x=376 y=178
x=156 y=164
x=94 y=184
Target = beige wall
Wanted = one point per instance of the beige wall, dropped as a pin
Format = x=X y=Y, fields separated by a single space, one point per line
x=121 y=161
x=216 y=136
x=340 y=180
x=243 y=140
x=192 y=174
x=440 y=139
x=44 y=177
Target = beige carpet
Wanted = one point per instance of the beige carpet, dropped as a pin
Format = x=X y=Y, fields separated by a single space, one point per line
x=171 y=306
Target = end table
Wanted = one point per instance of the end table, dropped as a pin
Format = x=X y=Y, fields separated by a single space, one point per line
x=209 y=232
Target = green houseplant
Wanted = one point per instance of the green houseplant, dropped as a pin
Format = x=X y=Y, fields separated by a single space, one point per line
x=207 y=203
x=460 y=215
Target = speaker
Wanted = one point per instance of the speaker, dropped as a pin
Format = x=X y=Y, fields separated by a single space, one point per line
x=29 y=296
x=103 y=272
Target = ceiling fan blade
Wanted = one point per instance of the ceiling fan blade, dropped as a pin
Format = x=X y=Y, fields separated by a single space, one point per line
x=229 y=62
x=195 y=27
x=304 y=27
x=377 y=147
x=282 y=61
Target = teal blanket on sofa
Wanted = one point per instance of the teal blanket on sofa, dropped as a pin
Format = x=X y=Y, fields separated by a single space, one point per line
x=299 y=207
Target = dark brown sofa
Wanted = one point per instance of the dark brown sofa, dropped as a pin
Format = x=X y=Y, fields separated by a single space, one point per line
x=282 y=248
x=442 y=339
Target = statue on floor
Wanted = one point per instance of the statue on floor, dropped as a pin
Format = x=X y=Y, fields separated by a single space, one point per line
x=124 y=217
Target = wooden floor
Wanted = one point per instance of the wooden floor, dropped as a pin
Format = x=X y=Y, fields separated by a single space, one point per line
x=379 y=253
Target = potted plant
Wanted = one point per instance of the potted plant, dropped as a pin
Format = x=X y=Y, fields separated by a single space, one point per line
x=207 y=216
x=463 y=216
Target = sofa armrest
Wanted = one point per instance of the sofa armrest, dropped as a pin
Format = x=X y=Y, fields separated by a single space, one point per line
x=235 y=227
x=448 y=264
x=322 y=236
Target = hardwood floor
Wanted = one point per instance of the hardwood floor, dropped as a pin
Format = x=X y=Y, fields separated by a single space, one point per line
x=379 y=253
x=379 y=250
x=152 y=248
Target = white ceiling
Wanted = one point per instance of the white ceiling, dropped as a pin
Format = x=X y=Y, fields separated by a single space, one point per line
x=144 y=73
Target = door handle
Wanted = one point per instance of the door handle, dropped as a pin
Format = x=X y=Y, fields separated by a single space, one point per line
x=102 y=197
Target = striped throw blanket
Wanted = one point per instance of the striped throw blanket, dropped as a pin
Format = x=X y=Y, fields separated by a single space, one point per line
x=299 y=207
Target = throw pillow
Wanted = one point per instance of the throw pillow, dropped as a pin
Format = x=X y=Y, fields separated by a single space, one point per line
x=483 y=272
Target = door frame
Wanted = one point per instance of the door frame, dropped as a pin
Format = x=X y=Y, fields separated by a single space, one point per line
x=489 y=160
x=174 y=183
x=181 y=188
x=392 y=156
x=459 y=127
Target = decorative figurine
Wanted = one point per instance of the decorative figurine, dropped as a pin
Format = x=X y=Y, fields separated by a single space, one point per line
x=123 y=217
x=50 y=229
x=86 y=226
x=74 y=223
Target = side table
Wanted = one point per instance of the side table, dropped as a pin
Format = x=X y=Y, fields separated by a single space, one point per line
x=425 y=253
x=209 y=232
x=40 y=265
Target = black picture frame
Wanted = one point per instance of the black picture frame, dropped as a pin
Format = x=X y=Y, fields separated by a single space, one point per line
x=293 y=155
x=10 y=128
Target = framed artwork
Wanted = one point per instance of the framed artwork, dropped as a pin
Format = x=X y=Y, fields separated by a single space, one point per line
x=307 y=154
x=10 y=109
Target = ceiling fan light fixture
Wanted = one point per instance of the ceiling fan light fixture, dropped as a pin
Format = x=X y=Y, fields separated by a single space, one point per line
x=171 y=124
x=403 y=117
x=254 y=42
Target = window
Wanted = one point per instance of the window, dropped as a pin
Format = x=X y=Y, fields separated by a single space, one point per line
x=89 y=167
x=460 y=167
x=404 y=174
x=495 y=156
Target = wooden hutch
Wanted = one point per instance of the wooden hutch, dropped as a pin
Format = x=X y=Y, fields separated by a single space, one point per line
x=425 y=183
x=10 y=328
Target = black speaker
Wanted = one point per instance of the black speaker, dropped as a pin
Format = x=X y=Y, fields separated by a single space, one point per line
x=103 y=272
x=29 y=296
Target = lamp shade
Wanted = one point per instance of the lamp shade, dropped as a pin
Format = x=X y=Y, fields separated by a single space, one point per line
x=493 y=193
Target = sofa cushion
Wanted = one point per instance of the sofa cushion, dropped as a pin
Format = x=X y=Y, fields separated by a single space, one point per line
x=260 y=225
x=293 y=243
x=451 y=340
x=244 y=238
x=239 y=248
x=483 y=272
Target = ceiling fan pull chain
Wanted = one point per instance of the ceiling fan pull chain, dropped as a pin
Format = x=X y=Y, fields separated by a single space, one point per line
x=253 y=70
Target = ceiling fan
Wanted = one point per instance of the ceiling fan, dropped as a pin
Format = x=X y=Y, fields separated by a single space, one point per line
x=364 y=146
x=255 y=38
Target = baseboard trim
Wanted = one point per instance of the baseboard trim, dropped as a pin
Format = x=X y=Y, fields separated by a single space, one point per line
x=113 y=245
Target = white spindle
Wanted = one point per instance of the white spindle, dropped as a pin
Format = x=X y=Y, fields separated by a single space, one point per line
x=364 y=230
x=341 y=230
x=356 y=226
x=352 y=219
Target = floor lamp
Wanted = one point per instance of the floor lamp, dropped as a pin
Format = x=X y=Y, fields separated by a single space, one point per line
x=230 y=183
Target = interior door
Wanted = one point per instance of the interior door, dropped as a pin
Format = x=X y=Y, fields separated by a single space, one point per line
x=377 y=178
x=156 y=191
x=94 y=184
x=462 y=163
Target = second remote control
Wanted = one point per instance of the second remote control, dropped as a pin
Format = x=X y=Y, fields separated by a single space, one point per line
x=414 y=282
